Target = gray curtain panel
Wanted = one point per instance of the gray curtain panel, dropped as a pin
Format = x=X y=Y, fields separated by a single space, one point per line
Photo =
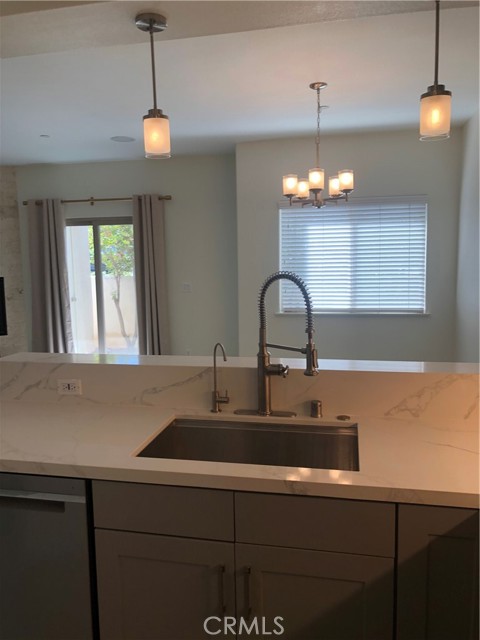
x=151 y=275
x=51 y=319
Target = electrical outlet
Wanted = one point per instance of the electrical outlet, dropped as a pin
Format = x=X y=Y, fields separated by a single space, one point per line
x=69 y=387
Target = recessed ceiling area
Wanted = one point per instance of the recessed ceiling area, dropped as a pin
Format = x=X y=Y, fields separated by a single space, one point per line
x=227 y=72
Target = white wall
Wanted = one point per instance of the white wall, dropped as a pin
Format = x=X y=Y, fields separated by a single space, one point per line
x=200 y=232
x=467 y=329
x=391 y=163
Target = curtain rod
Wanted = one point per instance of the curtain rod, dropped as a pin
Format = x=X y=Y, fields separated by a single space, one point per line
x=93 y=200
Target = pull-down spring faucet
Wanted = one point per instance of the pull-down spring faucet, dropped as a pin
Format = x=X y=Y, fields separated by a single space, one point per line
x=265 y=368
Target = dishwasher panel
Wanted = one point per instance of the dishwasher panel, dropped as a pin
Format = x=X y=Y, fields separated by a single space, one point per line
x=44 y=559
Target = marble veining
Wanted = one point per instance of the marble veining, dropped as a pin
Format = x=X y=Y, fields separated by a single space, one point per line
x=154 y=391
x=418 y=402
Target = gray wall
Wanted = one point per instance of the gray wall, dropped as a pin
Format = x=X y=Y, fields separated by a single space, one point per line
x=390 y=163
x=200 y=232
x=467 y=329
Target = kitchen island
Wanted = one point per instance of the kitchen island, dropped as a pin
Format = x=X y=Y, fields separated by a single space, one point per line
x=252 y=542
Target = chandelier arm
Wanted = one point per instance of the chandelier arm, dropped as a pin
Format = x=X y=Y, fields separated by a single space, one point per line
x=152 y=55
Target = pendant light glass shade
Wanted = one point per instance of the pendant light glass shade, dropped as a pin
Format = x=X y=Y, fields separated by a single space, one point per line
x=316 y=179
x=334 y=187
x=290 y=185
x=345 y=180
x=156 y=135
x=435 y=114
x=303 y=188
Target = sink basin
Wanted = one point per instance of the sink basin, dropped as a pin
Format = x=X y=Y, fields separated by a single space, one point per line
x=325 y=446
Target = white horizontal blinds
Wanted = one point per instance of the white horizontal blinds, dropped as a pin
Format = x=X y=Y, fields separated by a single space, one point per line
x=356 y=257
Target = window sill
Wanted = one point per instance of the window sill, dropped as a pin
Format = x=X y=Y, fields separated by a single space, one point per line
x=358 y=314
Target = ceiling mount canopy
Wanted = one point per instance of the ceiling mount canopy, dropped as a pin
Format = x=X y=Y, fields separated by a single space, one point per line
x=156 y=127
x=436 y=103
x=309 y=191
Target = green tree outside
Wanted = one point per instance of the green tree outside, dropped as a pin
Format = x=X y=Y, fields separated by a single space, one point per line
x=118 y=260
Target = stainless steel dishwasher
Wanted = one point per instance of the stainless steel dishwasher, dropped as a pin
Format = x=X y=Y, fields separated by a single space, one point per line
x=45 y=591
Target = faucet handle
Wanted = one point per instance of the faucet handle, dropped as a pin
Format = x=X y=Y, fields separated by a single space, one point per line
x=277 y=370
x=312 y=361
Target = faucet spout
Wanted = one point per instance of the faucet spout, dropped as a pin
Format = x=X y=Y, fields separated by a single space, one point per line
x=217 y=398
x=265 y=368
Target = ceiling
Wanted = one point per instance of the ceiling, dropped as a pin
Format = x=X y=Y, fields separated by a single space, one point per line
x=76 y=74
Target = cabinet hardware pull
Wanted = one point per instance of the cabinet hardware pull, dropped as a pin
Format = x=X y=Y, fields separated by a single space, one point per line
x=223 y=606
x=248 y=603
x=43 y=497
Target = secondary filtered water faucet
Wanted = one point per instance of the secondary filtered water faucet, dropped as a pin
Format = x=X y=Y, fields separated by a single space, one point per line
x=265 y=368
x=217 y=398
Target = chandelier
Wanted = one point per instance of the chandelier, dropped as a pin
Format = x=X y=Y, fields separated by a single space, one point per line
x=156 y=128
x=309 y=191
x=435 y=104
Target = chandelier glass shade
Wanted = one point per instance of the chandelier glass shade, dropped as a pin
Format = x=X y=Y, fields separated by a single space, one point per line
x=156 y=126
x=309 y=191
x=436 y=102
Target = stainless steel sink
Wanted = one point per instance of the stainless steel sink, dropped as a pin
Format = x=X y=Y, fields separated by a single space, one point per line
x=326 y=446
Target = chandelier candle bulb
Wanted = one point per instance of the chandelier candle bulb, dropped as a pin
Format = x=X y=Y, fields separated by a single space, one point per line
x=316 y=179
x=345 y=179
x=334 y=187
x=290 y=185
x=303 y=188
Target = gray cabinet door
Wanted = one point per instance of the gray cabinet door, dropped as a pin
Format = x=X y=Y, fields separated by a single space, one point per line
x=437 y=573
x=162 y=588
x=319 y=595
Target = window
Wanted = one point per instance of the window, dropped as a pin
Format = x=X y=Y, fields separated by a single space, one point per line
x=356 y=257
x=100 y=263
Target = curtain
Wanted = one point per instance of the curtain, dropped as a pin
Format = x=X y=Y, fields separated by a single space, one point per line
x=150 y=275
x=51 y=319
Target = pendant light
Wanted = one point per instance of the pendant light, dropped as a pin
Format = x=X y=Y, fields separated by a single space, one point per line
x=309 y=191
x=435 y=104
x=156 y=127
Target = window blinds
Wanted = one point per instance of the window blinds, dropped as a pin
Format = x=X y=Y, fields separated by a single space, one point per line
x=356 y=257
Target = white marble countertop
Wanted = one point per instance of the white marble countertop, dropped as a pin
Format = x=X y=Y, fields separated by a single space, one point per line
x=401 y=460
x=247 y=362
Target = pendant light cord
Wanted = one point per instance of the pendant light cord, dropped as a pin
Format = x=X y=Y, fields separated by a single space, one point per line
x=437 y=38
x=152 y=54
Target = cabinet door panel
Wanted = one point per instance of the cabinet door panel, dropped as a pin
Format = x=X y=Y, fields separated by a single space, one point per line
x=161 y=588
x=319 y=595
x=437 y=573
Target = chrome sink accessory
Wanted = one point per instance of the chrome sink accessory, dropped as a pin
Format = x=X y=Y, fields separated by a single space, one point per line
x=316 y=409
x=264 y=368
x=217 y=399
x=319 y=446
